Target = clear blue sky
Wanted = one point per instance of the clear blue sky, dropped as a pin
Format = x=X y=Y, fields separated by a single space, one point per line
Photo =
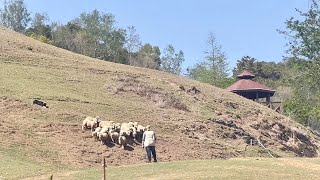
x=246 y=27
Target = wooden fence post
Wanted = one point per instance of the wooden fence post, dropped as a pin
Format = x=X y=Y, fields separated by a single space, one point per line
x=104 y=168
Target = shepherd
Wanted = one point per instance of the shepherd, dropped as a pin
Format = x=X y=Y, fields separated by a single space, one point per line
x=149 y=142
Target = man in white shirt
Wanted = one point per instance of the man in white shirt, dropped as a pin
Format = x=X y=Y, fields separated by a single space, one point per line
x=148 y=142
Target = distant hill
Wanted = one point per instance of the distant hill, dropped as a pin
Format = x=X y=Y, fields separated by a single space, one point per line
x=192 y=120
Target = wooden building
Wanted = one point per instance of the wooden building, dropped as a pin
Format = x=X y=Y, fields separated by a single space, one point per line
x=246 y=87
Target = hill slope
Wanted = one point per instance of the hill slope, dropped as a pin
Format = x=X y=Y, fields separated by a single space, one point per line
x=191 y=124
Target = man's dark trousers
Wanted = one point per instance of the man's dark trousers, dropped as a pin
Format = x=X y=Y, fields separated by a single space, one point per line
x=151 y=150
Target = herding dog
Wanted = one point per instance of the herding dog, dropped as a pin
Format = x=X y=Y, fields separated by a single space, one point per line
x=40 y=103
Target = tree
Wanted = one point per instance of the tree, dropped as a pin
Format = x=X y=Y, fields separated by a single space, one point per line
x=171 y=61
x=96 y=28
x=216 y=58
x=269 y=73
x=245 y=63
x=69 y=37
x=39 y=25
x=148 y=56
x=104 y=40
x=304 y=40
x=40 y=29
x=93 y=34
x=304 y=45
x=133 y=43
x=214 y=68
x=15 y=15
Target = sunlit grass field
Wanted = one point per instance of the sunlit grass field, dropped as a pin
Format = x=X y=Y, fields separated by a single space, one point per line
x=248 y=168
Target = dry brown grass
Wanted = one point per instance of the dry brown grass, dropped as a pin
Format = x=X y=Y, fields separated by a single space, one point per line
x=129 y=84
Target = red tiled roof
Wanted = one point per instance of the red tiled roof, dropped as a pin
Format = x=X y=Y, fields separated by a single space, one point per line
x=247 y=84
x=245 y=73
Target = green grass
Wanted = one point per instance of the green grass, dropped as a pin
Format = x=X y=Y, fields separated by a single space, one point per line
x=249 y=168
x=14 y=164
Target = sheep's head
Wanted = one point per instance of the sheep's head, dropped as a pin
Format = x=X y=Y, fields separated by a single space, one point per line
x=131 y=129
x=97 y=119
x=135 y=124
x=130 y=124
x=117 y=126
x=95 y=125
x=111 y=130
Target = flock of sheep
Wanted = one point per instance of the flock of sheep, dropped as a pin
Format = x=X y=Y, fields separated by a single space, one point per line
x=118 y=133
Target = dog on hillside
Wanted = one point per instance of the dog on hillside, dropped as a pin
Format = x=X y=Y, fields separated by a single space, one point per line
x=40 y=103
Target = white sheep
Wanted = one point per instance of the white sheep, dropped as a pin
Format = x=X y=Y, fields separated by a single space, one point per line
x=104 y=130
x=95 y=133
x=103 y=124
x=117 y=127
x=114 y=136
x=133 y=132
x=135 y=124
x=122 y=141
x=90 y=123
x=125 y=129
x=103 y=137
x=130 y=124
x=140 y=130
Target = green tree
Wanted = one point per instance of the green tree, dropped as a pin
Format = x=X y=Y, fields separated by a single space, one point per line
x=148 y=56
x=93 y=34
x=245 y=63
x=269 y=73
x=133 y=43
x=304 y=40
x=40 y=26
x=15 y=15
x=104 y=41
x=304 y=45
x=40 y=29
x=69 y=37
x=214 y=68
x=171 y=61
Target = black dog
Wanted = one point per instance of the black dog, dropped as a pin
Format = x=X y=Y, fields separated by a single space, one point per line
x=40 y=103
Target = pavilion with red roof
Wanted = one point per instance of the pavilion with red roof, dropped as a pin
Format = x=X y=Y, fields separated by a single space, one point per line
x=250 y=89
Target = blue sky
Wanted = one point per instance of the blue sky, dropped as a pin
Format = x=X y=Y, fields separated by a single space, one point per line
x=246 y=27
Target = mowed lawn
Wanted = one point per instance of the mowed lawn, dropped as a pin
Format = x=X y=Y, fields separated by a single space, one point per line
x=247 y=168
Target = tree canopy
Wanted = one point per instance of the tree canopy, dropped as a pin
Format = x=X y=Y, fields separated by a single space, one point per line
x=213 y=69
x=15 y=15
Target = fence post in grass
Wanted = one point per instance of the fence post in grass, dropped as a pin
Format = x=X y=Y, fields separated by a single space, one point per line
x=104 y=168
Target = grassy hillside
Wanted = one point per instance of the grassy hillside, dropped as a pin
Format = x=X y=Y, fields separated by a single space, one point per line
x=193 y=120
